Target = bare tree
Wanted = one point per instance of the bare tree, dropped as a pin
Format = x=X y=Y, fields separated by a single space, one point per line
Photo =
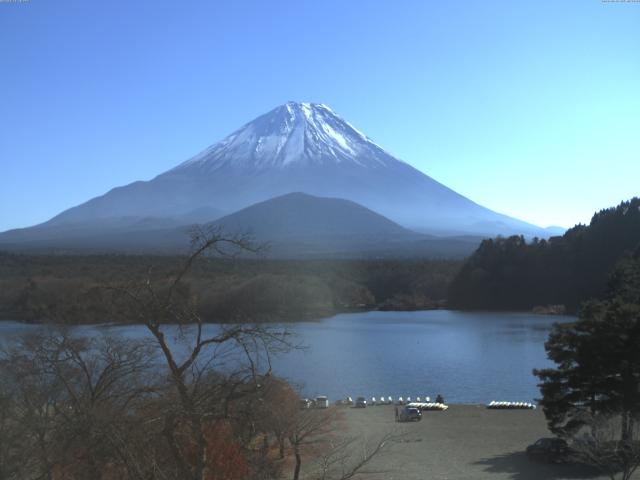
x=243 y=351
x=10 y=434
x=348 y=457
x=313 y=435
x=76 y=403
x=277 y=411
x=602 y=443
x=308 y=428
x=191 y=402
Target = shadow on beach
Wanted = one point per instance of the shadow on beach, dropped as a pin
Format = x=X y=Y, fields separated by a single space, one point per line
x=521 y=468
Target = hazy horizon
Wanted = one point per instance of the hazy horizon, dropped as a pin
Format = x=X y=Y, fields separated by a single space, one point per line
x=529 y=110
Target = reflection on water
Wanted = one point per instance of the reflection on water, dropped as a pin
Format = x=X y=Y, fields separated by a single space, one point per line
x=468 y=357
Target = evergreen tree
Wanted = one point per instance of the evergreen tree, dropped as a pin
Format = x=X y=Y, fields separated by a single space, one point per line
x=598 y=372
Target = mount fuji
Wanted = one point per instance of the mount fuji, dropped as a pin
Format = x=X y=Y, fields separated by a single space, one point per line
x=296 y=147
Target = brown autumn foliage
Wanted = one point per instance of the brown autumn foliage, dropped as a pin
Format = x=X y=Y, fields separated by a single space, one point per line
x=226 y=458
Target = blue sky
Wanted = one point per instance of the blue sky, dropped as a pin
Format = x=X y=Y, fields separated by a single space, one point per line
x=529 y=108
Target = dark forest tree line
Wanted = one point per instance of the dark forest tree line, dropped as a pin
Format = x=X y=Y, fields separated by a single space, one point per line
x=34 y=288
x=511 y=273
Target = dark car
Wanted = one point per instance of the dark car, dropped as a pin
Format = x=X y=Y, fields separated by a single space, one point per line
x=408 y=414
x=361 y=402
x=549 y=450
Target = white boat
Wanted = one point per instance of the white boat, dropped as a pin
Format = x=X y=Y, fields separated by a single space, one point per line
x=424 y=406
x=510 y=405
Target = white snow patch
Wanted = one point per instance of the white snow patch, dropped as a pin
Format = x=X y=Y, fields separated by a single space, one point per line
x=294 y=147
x=307 y=111
x=337 y=137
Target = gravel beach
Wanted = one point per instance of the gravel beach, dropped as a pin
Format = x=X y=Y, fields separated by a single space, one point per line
x=464 y=442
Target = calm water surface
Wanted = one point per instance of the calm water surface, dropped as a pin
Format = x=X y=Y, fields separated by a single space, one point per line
x=468 y=357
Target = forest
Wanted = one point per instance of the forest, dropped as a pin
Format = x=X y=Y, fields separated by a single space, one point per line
x=502 y=274
x=79 y=289
x=513 y=274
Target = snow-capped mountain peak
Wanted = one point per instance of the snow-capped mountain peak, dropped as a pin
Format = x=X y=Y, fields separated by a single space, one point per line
x=296 y=133
x=296 y=147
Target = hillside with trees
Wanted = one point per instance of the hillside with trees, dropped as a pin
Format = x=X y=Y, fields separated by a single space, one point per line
x=513 y=274
x=75 y=288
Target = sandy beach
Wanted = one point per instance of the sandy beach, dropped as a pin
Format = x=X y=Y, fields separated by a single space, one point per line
x=464 y=442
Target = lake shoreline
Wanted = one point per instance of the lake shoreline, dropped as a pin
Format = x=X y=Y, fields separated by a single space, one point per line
x=466 y=357
x=310 y=318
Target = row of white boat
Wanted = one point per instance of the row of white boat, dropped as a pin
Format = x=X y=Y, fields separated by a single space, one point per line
x=426 y=404
x=423 y=401
x=511 y=405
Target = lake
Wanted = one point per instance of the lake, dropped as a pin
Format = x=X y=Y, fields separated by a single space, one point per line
x=468 y=357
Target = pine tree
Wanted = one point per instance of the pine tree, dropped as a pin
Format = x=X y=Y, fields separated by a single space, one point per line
x=598 y=372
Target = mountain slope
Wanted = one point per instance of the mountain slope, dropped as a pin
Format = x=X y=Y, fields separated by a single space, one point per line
x=294 y=225
x=300 y=225
x=296 y=215
x=102 y=229
x=300 y=147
